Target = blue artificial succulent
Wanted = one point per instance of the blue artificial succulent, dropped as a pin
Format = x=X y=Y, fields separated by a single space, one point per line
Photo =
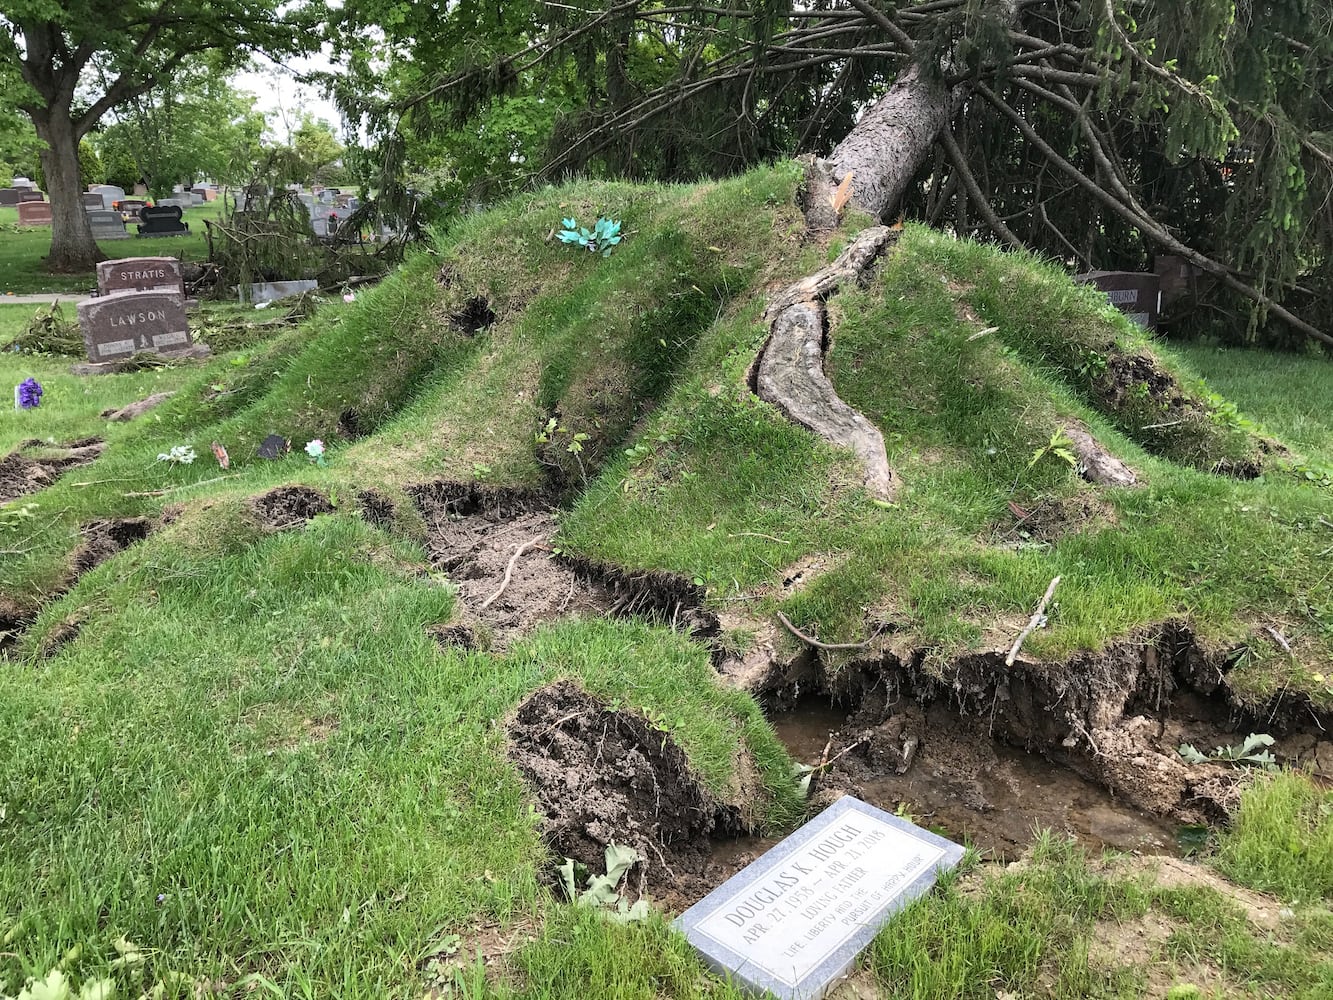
x=601 y=239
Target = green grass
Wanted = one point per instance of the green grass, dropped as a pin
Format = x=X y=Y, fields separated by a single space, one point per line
x=254 y=763
x=23 y=250
x=1283 y=841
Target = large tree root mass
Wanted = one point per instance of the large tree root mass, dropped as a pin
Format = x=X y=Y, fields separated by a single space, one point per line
x=790 y=370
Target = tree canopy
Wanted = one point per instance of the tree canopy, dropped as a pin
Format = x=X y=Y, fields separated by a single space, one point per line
x=1099 y=133
x=78 y=59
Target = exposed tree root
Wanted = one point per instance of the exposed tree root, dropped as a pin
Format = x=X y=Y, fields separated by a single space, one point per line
x=790 y=370
x=1095 y=463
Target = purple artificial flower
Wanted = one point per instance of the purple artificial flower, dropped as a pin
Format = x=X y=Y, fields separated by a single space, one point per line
x=29 y=394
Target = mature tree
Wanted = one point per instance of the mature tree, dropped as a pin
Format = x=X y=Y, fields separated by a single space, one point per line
x=81 y=58
x=1099 y=132
x=191 y=127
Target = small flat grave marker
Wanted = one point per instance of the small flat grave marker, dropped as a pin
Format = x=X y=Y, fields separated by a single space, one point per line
x=106 y=225
x=163 y=220
x=793 y=922
x=140 y=274
x=34 y=213
x=115 y=327
x=273 y=291
x=273 y=446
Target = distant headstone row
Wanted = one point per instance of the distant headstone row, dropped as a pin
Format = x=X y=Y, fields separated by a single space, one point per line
x=140 y=307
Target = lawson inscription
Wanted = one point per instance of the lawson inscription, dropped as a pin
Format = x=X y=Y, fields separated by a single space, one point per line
x=116 y=327
x=794 y=921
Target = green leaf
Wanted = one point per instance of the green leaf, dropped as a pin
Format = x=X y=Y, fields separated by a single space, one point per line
x=619 y=860
x=53 y=987
x=1191 y=755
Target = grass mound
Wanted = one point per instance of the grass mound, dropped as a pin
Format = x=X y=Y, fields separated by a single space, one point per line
x=254 y=719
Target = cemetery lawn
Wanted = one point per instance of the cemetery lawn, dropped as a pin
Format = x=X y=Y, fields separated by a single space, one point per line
x=22 y=252
x=236 y=752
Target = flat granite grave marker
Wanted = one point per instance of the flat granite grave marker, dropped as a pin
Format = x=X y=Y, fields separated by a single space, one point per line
x=34 y=213
x=793 y=922
x=163 y=220
x=106 y=225
x=115 y=327
x=138 y=274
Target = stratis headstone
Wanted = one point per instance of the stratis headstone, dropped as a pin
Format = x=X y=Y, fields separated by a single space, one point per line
x=106 y=225
x=34 y=213
x=115 y=327
x=1136 y=294
x=793 y=922
x=140 y=274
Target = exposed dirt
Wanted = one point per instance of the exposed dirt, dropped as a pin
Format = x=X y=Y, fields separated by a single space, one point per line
x=991 y=753
x=477 y=535
x=1049 y=519
x=601 y=775
x=102 y=539
x=475 y=316
x=289 y=506
x=376 y=508
x=60 y=636
x=34 y=465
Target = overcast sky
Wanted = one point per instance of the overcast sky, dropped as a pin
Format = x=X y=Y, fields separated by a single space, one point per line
x=277 y=92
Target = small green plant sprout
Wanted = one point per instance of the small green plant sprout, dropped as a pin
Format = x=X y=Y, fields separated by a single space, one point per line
x=1251 y=752
x=1184 y=991
x=181 y=454
x=602 y=891
x=605 y=235
x=1060 y=446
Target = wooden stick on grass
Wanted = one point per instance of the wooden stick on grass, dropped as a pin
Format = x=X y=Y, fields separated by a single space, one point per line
x=1038 y=620
x=815 y=642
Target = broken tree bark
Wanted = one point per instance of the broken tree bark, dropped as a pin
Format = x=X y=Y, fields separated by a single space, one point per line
x=790 y=369
x=1095 y=463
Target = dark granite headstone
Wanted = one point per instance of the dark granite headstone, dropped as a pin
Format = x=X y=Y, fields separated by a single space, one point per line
x=130 y=207
x=162 y=221
x=273 y=446
x=34 y=213
x=106 y=225
x=93 y=200
x=1136 y=294
x=1179 y=278
x=9 y=197
x=30 y=195
x=140 y=274
x=793 y=922
x=115 y=327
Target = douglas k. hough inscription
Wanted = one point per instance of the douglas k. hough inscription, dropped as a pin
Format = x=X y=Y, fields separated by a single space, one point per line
x=795 y=920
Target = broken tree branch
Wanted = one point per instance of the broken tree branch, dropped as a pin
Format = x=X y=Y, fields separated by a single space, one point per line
x=1038 y=620
x=815 y=642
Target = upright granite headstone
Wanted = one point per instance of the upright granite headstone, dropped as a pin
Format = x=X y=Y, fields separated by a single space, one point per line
x=9 y=197
x=130 y=208
x=793 y=922
x=30 y=195
x=196 y=198
x=140 y=274
x=162 y=221
x=1134 y=293
x=110 y=194
x=115 y=327
x=93 y=200
x=34 y=213
x=107 y=225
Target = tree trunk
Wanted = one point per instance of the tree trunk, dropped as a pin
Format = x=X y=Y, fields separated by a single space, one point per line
x=73 y=249
x=889 y=144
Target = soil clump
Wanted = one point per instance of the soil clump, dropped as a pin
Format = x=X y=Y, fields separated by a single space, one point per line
x=288 y=506
x=600 y=774
x=22 y=472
